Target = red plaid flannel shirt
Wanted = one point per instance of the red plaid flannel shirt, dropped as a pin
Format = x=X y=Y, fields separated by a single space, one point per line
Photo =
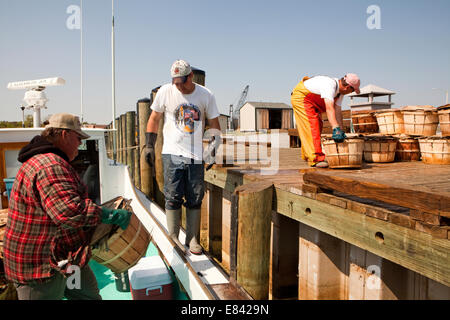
x=50 y=219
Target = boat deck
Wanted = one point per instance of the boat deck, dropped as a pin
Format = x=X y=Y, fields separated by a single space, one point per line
x=107 y=285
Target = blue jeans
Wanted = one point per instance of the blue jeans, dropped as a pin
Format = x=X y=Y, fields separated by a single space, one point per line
x=183 y=178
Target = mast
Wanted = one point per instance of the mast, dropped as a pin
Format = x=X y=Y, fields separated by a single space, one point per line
x=113 y=86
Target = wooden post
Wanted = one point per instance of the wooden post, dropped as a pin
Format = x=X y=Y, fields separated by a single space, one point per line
x=159 y=170
x=137 y=175
x=116 y=138
x=284 y=258
x=124 y=138
x=144 y=112
x=131 y=140
x=204 y=221
x=120 y=141
x=253 y=242
x=199 y=76
x=322 y=265
x=226 y=228
x=215 y=221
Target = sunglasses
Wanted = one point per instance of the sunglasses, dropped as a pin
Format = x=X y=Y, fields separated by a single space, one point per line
x=78 y=136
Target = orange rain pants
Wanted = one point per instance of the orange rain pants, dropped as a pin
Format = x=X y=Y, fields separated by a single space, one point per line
x=308 y=108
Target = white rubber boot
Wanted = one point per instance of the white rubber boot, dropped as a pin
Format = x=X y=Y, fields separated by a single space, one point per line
x=192 y=230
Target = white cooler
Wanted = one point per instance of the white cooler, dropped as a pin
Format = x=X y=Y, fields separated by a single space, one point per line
x=150 y=280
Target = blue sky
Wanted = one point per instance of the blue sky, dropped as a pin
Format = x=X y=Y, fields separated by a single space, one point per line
x=268 y=45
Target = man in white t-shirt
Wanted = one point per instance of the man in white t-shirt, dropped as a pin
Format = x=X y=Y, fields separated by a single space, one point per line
x=312 y=97
x=185 y=106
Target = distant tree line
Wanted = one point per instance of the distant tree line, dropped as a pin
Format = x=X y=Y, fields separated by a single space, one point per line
x=18 y=124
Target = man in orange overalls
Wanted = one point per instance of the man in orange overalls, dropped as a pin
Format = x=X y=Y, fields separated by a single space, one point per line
x=312 y=97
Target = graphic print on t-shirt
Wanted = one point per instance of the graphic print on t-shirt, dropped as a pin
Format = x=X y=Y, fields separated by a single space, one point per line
x=187 y=117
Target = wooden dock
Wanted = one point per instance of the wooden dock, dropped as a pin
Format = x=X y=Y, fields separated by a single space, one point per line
x=379 y=232
x=283 y=230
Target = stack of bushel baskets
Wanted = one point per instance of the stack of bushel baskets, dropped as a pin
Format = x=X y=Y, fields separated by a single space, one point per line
x=410 y=133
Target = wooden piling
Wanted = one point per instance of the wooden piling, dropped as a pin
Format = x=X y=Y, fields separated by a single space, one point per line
x=283 y=282
x=146 y=175
x=215 y=221
x=137 y=174
x=253 y=241
x=116 y=139
x=119 y=140
x=199 y=76
x=322 y=265
x=158 y=168
x=124 y=138
x=131 y=140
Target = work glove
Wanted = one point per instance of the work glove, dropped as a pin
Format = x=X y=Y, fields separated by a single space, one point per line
x=149 y=150
x=120 y=217
x=338 y=135
x=210 y=153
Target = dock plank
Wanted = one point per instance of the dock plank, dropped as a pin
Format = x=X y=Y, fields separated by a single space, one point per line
x=383 y=189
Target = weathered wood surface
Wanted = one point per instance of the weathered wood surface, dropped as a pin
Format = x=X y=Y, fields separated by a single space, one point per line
x=412 y=185
x=253 y=237
x=417 y=240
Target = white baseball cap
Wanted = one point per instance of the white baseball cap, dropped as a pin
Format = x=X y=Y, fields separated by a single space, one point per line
x=180 y=68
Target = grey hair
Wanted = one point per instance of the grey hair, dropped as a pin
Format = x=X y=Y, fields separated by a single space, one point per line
x=52 y=134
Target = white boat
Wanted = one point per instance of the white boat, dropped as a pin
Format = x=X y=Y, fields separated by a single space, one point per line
x=197 y=274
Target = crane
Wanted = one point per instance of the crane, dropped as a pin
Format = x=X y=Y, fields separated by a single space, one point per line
x=234 y=114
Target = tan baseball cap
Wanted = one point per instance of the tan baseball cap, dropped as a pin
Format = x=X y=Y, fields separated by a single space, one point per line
x=66 y=121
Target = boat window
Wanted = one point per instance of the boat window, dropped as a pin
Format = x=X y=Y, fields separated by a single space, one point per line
x=11 y=163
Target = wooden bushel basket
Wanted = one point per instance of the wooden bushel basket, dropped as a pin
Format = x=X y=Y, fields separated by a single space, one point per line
x=408 y=149
x=444 y=119
x=390 y=121
x=347 y=154
x=379 y=149
x=124 y=248
x=364 y=122
x=420 y=122
x=435 y=150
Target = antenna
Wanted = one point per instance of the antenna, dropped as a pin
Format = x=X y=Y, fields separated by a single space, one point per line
x=35 y=98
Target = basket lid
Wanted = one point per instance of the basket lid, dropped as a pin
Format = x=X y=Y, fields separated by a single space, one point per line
x=379 y=137
x=443 y=138
x=444 y=107
x=418 y=108
x=361 y=113
x=404 y=137
x=386 y=111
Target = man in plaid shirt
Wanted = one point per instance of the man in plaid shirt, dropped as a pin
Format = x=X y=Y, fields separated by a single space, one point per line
x=51 y=219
